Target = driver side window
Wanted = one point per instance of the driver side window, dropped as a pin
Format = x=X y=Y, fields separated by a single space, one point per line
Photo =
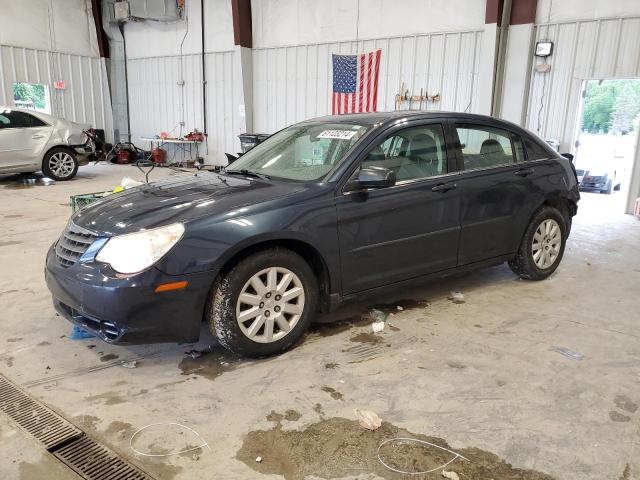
x=412 y=154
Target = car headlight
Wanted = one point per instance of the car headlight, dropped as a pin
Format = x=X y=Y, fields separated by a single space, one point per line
x=134 y=252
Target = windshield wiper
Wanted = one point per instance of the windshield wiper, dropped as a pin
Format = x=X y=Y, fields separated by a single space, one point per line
x=248 y=173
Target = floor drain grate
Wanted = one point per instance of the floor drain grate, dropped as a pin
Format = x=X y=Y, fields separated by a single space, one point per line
x=69 y=444
x=94 y=461
x=33 y=417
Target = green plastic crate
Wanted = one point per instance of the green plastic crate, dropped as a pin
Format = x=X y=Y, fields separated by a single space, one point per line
x=78 y=202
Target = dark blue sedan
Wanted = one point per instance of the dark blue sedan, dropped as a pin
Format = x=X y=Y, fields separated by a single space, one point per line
x=323 y=211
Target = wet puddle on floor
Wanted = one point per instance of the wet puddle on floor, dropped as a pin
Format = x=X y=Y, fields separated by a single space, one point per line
x=338 y=447
x=26 y=181
x=364 y=316
x=211 y=363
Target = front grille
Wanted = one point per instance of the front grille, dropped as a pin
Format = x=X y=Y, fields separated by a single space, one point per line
x=73 y=242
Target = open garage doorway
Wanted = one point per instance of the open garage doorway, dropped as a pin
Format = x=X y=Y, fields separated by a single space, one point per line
x=605 y=143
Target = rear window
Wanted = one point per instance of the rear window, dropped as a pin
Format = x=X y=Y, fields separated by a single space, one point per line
x=534 y=150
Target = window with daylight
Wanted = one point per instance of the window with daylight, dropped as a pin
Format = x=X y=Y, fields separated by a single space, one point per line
x=34 y=96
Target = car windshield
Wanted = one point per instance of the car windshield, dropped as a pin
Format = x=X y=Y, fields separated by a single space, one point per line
x=305 y=153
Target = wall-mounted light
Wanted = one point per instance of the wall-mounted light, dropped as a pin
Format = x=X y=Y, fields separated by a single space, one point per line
x=544 y=48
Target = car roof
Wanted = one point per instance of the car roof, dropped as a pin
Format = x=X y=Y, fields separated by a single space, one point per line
x=380 y=118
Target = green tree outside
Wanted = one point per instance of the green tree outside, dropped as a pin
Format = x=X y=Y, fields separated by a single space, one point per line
x=611 y=105
x=33 y=92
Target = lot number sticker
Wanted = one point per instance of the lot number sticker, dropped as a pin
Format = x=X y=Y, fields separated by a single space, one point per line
x=337 y=134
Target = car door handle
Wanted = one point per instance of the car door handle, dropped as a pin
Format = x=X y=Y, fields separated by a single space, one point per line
x=524 y=172
x=444 y=187
x=37 y=136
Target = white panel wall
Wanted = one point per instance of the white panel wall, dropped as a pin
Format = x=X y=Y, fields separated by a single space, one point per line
x=295 y=83
x=86 y=96
x=299 y=22
x=158 y=103
x=54 y=25
x=596 y=49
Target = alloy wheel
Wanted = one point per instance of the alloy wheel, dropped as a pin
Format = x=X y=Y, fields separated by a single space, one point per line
x=61 y=164
x=270 y=304
x=547 y=241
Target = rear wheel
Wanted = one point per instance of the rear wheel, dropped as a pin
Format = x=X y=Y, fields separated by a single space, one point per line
x=264 y=304
x=60 y=164
x=542 y=246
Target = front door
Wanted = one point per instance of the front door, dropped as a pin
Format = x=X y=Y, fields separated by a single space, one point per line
x=407 y=230
x=22 y=140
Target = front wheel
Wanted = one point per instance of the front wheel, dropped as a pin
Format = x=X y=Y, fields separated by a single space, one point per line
x=60 y=164
x=542 y=246
x=264 y=304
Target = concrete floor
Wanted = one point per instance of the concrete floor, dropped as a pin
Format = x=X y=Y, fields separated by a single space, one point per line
x=479 y=374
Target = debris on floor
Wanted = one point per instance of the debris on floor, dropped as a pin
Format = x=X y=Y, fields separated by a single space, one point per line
x=379 y=319
x=456 y=296
x=258 y=459
x=79 y=333
x=195 y=353
x=568 y=353
x=131 y=364
x=158 y=439
x=450 y=475
x=368 y=419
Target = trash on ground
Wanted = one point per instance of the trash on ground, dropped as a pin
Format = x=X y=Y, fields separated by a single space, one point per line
x=79 y=333
x=258 y=459
x=170 y=425
x=127 y=183
x=377 y=326
x=455 y=456
x=399 y=308
x=456 y=296
x=450 y=475
x=194 y=353
x=131 y=364
x=368 y=419
x=568 y=353
x=378 y=318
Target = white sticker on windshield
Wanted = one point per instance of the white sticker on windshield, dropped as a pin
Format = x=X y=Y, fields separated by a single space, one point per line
x=338 y=134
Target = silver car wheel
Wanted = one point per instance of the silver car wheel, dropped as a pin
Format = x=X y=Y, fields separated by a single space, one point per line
x=270 y=304
x=62 y=164
x=546 y=244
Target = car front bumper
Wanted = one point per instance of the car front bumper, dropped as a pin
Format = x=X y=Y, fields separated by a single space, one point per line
x=127 y=310
x=593 y=187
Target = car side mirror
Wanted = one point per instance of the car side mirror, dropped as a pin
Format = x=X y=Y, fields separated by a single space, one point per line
x=375 y=177
x=568 y=156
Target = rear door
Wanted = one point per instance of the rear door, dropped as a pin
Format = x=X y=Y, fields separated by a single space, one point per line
x=407 y=230
x=498 y=190
x=22 y=140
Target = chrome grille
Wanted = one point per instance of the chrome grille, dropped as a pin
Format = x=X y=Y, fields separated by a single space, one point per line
x=73 y=242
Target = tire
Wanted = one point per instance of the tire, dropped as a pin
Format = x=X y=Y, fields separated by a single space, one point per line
x=267 y=306
x=524 y=264
x=60 y=164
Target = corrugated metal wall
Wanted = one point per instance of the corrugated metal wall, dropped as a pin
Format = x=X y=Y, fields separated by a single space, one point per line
x=295 y=83
x=600 y=49
x=85 y=98
x=156 y=100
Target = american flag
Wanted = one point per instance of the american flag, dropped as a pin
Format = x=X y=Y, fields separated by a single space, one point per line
x=355 y=82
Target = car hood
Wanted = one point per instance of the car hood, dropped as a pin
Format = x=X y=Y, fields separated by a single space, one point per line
x=180 y=199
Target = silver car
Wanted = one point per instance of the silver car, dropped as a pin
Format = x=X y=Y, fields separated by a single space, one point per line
x=31 y=141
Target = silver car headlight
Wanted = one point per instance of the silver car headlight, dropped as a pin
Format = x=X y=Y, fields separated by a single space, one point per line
x=134 y=252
